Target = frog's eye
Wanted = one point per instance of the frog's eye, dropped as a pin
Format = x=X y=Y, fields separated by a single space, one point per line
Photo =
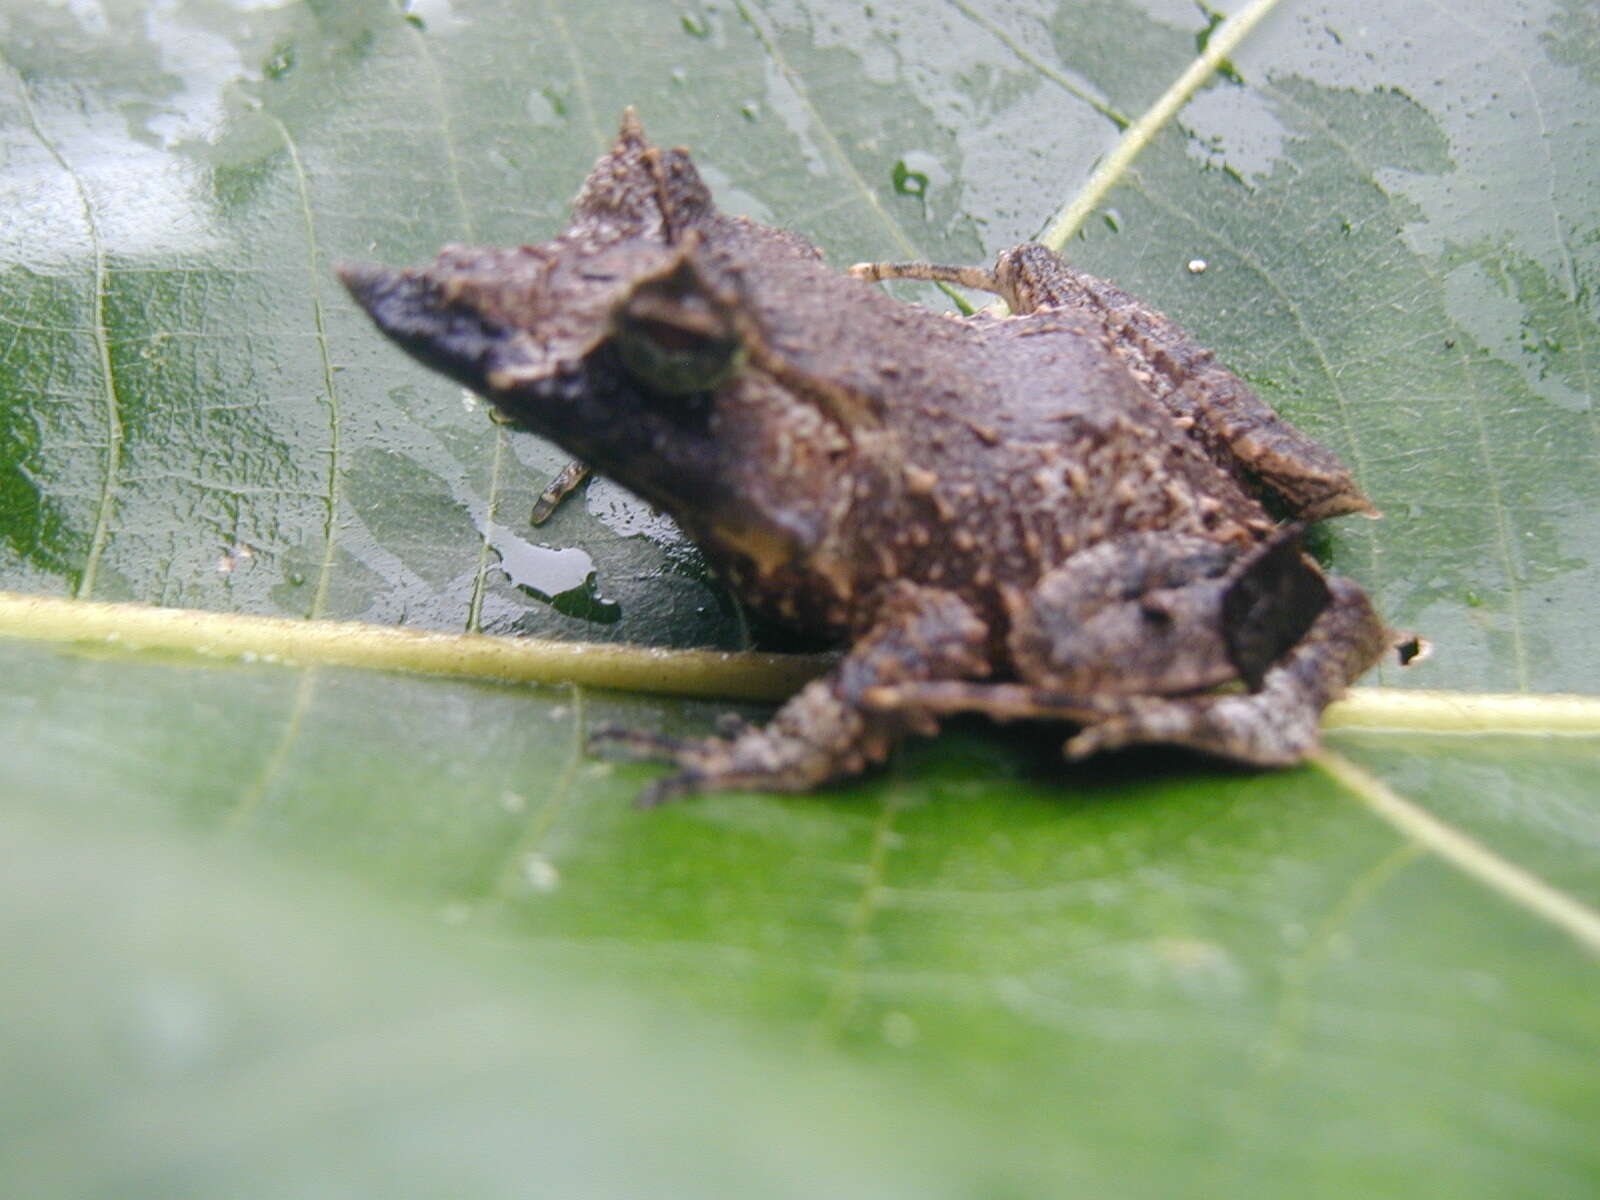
x=675 y=338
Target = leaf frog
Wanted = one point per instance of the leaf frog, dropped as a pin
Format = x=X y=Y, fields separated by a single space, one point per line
x=1059 y=514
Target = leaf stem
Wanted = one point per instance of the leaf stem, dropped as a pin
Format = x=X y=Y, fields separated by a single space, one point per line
x=710 y=673
x=1419 y=711
x=1465 y=853
x=728 y=675
x=1108 y=174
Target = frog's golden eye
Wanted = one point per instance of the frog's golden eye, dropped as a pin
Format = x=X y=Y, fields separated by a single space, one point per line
x=674 y=338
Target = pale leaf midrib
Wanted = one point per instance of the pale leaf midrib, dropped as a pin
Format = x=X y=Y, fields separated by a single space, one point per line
x=730 y=675
x=1223 y=41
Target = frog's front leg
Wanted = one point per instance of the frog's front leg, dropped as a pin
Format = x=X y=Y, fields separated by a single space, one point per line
x=567 y=481
x=825 y=731
x=1240 y=431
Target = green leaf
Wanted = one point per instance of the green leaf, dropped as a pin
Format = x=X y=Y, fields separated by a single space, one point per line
x=273 y=930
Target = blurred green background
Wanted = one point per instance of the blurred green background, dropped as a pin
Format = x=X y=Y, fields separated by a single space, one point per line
x=289 y=932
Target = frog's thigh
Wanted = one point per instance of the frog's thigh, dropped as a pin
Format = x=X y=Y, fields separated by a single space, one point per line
x=1137 y=615
x=1236 y=425
x=931 y=698
x=1275 y=726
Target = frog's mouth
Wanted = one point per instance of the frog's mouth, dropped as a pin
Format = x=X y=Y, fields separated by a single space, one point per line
x=588 y=398
x=410 y=308
x=631 y=396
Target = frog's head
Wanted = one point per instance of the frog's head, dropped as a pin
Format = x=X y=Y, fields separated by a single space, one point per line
x=615 y=340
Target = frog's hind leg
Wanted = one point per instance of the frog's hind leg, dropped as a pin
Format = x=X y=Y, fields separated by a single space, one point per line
x=977 y=278
x=1276 y=725
x=826 y=731
x=1240 y=431
x=998 y=701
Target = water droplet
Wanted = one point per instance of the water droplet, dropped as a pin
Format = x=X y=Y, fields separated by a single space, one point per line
x=908 y=182
x=695 y=25
x=750 y=110
x=542 y=569
x=919 y=174
x=174 y=1023
x=541 y=874
x=899 y=1029
x=1197 y=266
x=587 y=604
x=545 y=106
x=1113 y=220
x=679 y=76
x=280 y=63
x=513 y=802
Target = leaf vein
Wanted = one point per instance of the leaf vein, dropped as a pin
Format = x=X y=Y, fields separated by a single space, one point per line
x=544 y=817
x=1515 y=884
x=1294 y=1000
x=1055 y=75
x=1491 y=477
x=1109 y=173
x=314 y=289
x=845 y=994
x=824 y=133
x=111 y=402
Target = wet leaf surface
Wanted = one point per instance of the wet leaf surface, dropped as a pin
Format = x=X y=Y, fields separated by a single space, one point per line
x=252 y=905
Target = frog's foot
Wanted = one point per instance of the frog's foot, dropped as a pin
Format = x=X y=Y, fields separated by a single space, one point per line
x=815 y=737
x=566 y=482
x=826 y=731
x=1250 y=728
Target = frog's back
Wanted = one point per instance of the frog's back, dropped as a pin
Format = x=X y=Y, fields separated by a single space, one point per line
x=987 y=450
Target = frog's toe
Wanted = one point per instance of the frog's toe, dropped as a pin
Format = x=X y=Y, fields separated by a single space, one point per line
x=1247 y=728
x=641 y=744
x=732 y=725
x=669 y=788
x=1114 y=733
x=698 y=761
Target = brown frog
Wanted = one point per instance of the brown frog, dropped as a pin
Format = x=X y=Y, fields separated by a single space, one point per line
x=1054 y=515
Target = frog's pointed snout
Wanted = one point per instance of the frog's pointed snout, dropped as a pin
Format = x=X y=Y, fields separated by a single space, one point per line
x=400 y=303
x=410 y=308
x=364 y=281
